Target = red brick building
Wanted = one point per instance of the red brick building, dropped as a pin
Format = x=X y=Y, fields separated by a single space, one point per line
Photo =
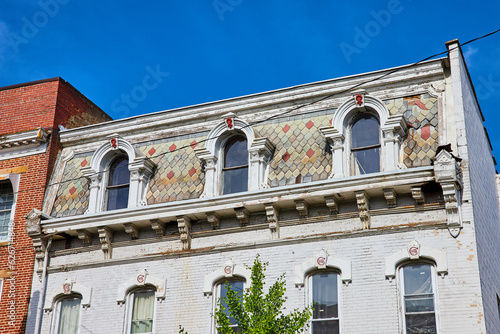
x=30 y=115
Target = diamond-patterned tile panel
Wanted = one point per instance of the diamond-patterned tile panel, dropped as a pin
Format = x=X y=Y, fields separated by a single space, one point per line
x=300 y=150
x=73 y=193
x=421 y=112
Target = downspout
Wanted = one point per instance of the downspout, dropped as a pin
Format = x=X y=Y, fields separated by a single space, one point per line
x=39 y=312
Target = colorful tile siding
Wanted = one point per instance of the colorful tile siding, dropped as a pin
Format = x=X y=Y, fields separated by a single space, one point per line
x=301 y=155
x=421 y=112
x=73 y=193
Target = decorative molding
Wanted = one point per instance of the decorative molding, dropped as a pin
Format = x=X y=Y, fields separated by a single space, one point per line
x=184 y=226
x=158 y=227
x=23 y=144
x=332 y=204
x=69 y=287
x=243 y=215
x=132 y=229
x=363 y=202
x=391 y=197
x=106 y=237
x=415 y=251
x=214 y=220
x=227 y=271
x=143 y=278
x=272 y=218
x=418 y=195
x=34 y=231
x=302 y=207
x=449 y=176
x=85 y=236
x=320 y=261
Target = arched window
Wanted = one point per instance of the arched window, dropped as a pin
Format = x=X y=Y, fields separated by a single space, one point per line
x=67 y=314
x=365 y=145
x=222 y=289
x=235 y=168
x=141 y=310
x=417 y=286
x=324 y=298
x=118 y=184
x=6 y=201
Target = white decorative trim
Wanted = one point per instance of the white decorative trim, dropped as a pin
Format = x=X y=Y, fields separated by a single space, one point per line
x=143 y=278
x=69 y=287
x=323 y=261
x=228 y=270
x=259 y=152
x=140 y=167
x=23 y=144
x=415 y=251
x=392 y=128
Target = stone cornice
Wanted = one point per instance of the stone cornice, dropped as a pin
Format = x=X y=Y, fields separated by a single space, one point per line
x=23 y=143
x=199 y=118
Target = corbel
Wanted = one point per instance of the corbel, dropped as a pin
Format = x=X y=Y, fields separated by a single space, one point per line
x=332 y=204
x=34 y=231
x=105 y=237
x=85 y=236
x=243 y=215
x=132 y=229
x=214 y=220
x=391 y=197
x=418 y=195
x=184 y=226
x=302 y=207
x=158 y=227
x=272 y=218
x=363 y=202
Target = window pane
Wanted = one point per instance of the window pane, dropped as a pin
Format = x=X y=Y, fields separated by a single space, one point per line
x=118 y=172
x=235 y=180
x=366 y=161
x=421 y=324
x=235 y=286
x=6 y=195
x=235 y=153
x=325 y=327
x=143 y=312
x=118 y=198
x=423 y=303
x=417 y=279
x=70 y=316
x=365 y=132
x=325 y=300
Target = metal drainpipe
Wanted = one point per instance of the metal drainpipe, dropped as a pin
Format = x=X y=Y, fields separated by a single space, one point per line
x=39 y=312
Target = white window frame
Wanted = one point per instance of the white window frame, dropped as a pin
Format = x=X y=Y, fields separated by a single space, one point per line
x=402 y=291
x=212 y=155
x=14 y=180
x=106 y=176
x=217 y=295
x=339 y=294
x=57 y=313
x=354 y=118
x=392 y=132
x=140 y=167
x=130 y=307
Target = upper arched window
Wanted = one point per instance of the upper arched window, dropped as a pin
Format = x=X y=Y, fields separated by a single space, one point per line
x=365 y=145
x=235 y=168
x=118 y=184
x=68 y=315
x=6 y=201
x=417 y=286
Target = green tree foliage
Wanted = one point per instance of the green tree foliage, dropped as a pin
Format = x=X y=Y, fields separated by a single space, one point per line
x=257 y=312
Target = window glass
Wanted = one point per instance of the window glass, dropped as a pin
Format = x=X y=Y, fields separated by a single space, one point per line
x=118 y=184
x=69 y=315
x=143 y=311
x=325 y=303
x=365 y=145
x=235 y=169
x=223 y=288
x=6 y=201
x=418 y=299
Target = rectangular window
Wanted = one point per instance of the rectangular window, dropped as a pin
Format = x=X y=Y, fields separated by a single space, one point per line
x=325 y=301
x=143 y=312
x=222 y=292
x=6 y=201
x=69 y=315
x=418 y=299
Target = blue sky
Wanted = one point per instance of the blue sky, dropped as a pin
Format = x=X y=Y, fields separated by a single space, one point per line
x=209 y=50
